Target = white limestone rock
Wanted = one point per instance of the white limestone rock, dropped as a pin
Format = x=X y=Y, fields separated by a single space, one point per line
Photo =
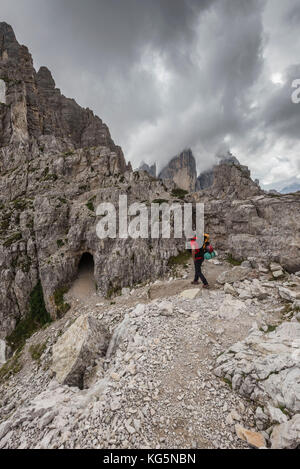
x=236 y=274
x=287 y=435
x=266 y=367
x=75 y=350
x=190 y=294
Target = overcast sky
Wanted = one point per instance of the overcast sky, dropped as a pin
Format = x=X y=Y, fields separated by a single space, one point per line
x=212 y=75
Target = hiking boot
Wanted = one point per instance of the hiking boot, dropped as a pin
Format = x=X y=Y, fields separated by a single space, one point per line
x=195 y=283
x=206 y=287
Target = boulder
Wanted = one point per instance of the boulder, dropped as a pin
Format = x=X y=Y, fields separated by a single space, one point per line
x=120 y=334
x=254 y=439
x=278 y=273
x=190 y=294
x=229 y=290
x=274 y=267
x=165 y=308
x=236 y=274
x=77 y=348
x=289 y=295
x=265 y=367
x=287 y=435
x=231 y=308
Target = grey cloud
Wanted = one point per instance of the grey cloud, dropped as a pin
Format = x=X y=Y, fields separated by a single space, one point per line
x=170 y=74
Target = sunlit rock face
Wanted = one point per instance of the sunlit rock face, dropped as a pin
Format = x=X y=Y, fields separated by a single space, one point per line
x=2 y=92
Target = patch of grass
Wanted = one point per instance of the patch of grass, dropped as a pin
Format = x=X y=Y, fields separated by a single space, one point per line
x=11 y=367
x=4 y=225
x=61 y=307
x=20 y=204
x=270 y=329
x=179 y=193
x=90 y=204
x=284 y=410
x=12 y=239
x=51 y=177
x=62 y=200
x=36 y=351
x=36 y=318
x=160 y=201
x=227 y=381
x=60 y=243
x=25 y=265
x=233 y=261
x=113 y=291
x=181 y=259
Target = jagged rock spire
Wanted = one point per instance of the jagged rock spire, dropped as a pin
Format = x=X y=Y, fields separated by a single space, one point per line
x=36 y=108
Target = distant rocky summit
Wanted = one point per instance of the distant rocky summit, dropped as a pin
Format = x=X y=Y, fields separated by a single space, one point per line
x=228 y=176
x=182 y=170
x=151 y=170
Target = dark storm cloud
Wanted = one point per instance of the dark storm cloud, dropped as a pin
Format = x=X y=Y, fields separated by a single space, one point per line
x=280 y=114
x=170 y=74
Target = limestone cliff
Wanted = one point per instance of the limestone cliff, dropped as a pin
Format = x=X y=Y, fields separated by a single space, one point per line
x=182 y=170
x=229 y=178
x=57 y=163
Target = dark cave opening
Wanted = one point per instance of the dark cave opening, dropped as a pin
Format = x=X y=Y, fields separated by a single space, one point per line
x=86 y=264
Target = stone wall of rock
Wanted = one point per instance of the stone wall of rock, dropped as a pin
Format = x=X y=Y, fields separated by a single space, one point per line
x=265 y=227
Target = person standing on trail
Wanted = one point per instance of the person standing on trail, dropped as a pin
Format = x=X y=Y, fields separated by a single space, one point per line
x=198 y=258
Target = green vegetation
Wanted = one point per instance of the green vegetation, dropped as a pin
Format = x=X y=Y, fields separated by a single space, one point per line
x=4 y=225
x=36 y=318
x=50 y=177
x=61 y=307
x=25 y=265
x=12 y=239
x=90 y=204
x=284 y=410
x=233 y=261
x=160 y=201
x=60 y=243
x=36 y=351
x=62 y=200
x=113 y=291
x=179 y=193
x=20 y=204
x=181 y=259
x=227 y=381
x=11 y=367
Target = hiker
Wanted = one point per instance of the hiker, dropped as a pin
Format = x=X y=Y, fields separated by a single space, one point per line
x=198 y=258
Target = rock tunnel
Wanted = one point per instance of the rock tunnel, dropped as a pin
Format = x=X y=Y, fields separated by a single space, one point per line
x=86 y=264
x=84 y=285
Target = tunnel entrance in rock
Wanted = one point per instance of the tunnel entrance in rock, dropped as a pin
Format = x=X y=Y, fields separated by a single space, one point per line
x=84 y=285
x=86 y=264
